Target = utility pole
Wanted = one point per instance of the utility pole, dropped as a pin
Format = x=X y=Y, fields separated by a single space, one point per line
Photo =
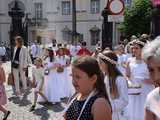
x=106 y=29
x=74 y=24
x=156 y=18
x=16 y=14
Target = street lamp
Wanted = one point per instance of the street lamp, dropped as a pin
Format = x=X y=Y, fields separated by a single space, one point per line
x=16 y=13
x=74 y=24
x=156 y=18
x=106 y=28
x=25 y=29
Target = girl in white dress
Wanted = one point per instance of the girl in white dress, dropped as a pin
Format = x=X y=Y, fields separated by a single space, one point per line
x=151 y=55
x=38 y=81
x=116 y=85
x=62 y=74
x=51 y=85
x=139 y=83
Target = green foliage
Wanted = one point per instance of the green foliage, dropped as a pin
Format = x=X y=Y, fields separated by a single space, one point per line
x=137 y=18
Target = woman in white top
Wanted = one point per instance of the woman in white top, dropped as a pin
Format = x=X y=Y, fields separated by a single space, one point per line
x=139 y=82
x=116 y=85
x=151 y=54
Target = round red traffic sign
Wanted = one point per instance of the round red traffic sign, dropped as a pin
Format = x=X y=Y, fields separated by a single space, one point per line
x=116 y=7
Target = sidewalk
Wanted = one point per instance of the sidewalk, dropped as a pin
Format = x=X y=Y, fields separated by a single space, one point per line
x=19 y=107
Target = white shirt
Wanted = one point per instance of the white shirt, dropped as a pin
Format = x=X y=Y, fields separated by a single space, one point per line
x=2 y=51
x=39 y=51
x=153 y=102
x=74 y=50
x=38 y=73
x=34 y=50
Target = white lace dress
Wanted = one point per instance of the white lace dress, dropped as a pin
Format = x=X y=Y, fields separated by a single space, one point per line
x=62 y=78
x=51 y=84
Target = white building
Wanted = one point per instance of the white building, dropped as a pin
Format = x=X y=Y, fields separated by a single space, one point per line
x=4 y=22
x=53 y=19
x=59 y=16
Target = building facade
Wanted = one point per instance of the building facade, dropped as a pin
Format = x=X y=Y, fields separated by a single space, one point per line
x=59 y=20
x=52 y=19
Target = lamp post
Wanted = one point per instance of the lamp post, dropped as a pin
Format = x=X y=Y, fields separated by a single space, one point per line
x=16 y=14
x=106 y=28
x=156 y=18
x=25 y=29
x=74 y=18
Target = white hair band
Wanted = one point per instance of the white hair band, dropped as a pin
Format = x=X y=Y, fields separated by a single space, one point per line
x=100 y=55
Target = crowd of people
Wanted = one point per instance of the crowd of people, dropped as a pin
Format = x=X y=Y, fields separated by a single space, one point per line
x=118 y=84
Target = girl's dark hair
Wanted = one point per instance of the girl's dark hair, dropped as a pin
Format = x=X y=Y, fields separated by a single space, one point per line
x=112 y=71
x=90 y=66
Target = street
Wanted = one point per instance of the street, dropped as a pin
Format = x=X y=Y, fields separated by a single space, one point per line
x=19 y=107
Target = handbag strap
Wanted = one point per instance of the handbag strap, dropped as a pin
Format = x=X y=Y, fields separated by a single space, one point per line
x=87 y=100
x=70 y=103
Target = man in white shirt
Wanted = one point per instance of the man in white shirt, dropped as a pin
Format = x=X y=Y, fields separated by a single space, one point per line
x=2 y=52
x=34 y=51
x=74 y=49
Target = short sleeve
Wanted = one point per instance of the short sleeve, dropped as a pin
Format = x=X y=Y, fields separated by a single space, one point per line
x=153 y=102
x=147 y=103
x=42 y=72
x=33 y=70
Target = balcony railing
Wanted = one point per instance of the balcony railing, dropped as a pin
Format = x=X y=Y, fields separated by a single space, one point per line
x=40 y=22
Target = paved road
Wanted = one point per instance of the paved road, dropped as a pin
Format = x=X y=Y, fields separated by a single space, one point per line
x=19 y=106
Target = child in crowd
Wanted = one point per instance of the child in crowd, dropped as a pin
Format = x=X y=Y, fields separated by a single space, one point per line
x=38 y=81
x=116 y=85
x=91 y=101
x=3 y=97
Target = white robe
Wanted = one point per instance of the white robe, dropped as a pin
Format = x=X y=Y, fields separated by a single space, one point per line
x=51 y=87
x=139 y=73
x=63 y=82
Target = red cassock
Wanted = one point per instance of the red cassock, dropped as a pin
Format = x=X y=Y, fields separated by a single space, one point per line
x=84 y=51
x=67 y=52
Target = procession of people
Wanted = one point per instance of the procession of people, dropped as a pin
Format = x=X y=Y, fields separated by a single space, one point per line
x=118 y=84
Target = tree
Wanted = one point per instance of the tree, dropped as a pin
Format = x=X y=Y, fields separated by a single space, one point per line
x=137 y=18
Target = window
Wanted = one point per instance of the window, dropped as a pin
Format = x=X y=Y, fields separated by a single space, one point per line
x=95 y=35
x=95 y=6
x=66 y=34
x=66 y=8
x=38 y=11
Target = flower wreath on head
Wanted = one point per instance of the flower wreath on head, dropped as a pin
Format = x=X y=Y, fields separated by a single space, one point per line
x=138 y=42
x=100 y=55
